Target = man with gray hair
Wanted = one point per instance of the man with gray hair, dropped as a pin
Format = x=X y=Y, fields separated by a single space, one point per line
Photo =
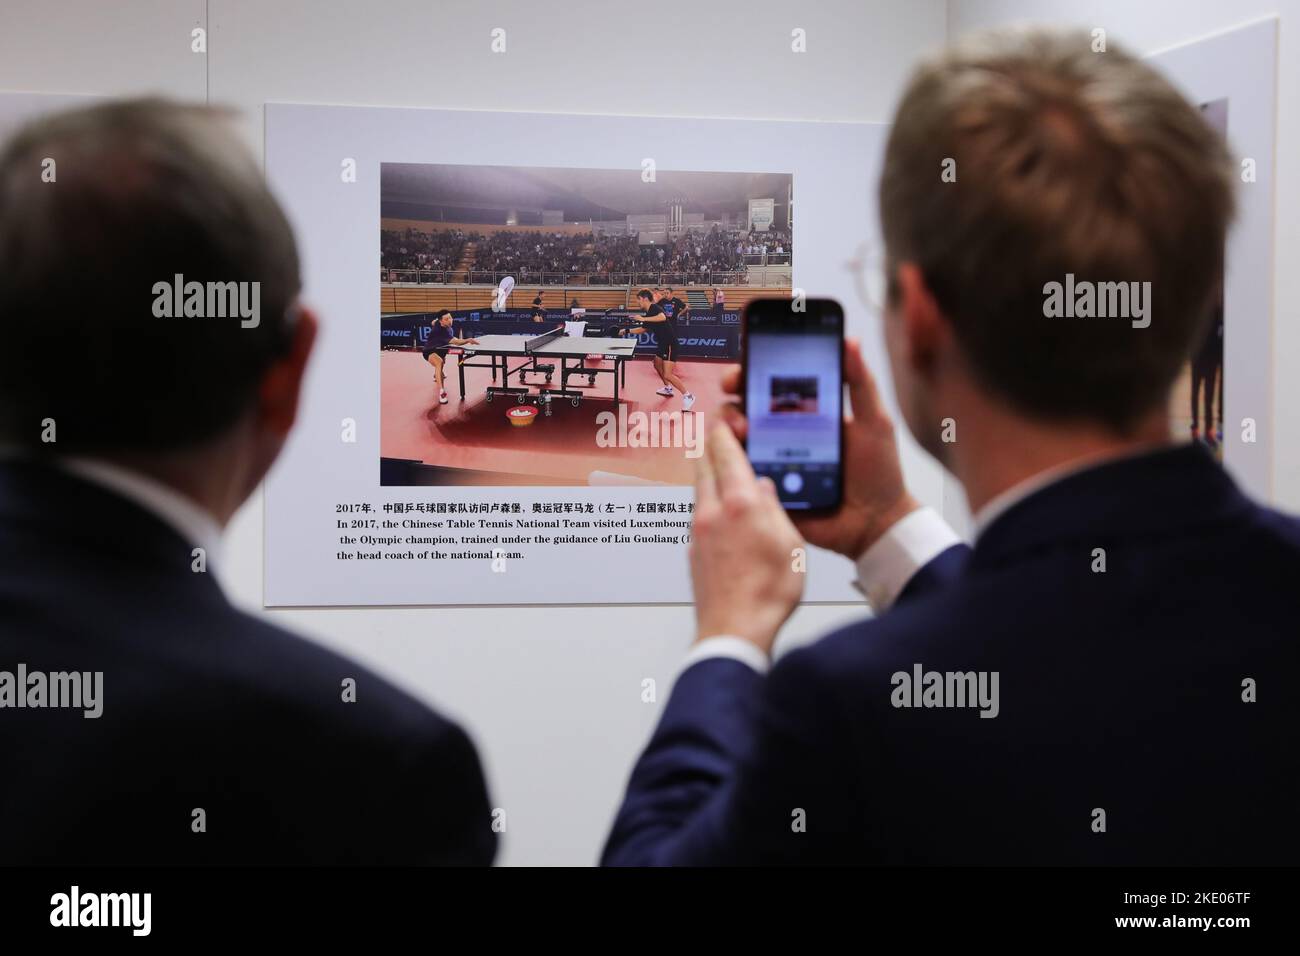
x=1090 y=683
x=152 y=351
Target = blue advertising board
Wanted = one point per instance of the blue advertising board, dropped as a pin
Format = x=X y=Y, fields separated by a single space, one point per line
x=701 y=338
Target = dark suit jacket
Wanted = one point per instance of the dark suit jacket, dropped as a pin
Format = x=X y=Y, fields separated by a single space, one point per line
x=204 y=707
x=1119 y=691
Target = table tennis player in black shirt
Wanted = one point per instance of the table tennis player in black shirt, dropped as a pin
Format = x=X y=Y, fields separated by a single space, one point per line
x=675 y=308
x=440 y=339
x=666 y=345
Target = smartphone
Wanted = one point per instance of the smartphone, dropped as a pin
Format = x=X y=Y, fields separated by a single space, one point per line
x=792 y=389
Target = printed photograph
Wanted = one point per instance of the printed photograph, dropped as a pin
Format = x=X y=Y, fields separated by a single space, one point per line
x=794 y=395
x=565 y=326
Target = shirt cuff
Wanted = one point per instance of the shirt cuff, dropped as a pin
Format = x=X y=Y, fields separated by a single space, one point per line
x=911 y=544
x=728 y=646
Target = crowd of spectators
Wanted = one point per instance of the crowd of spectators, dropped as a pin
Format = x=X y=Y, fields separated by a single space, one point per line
x=771 y=242
x=414 y=249
x=529 y=255
x=695 y=254
x=616 y=254
x=547 y=257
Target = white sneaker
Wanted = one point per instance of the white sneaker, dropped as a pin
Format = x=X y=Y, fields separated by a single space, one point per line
x=688 y=400
x=442 y=397
x=667 y=390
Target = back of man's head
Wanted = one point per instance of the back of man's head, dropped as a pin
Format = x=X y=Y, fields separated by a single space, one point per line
x=1020 y=158
x=102 y=211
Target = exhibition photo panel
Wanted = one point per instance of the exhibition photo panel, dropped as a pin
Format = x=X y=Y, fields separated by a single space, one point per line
x=552 y=339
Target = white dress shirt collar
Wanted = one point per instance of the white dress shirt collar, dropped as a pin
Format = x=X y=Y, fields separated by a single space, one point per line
x=196 y=526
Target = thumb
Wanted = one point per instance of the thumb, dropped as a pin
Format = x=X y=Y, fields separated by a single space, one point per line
x=864 y=396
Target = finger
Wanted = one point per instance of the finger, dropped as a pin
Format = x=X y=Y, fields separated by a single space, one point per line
x=706 y=483
x=731 y=468
x=735 y=419
x=864 y=397
x=771 y=499
x=731 y=380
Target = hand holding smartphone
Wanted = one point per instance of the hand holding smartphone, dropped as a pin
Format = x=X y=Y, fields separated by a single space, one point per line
x=792 y=378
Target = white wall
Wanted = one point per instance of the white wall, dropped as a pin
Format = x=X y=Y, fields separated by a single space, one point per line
x=1153 y=25
x=557 y=743
x=108 y=49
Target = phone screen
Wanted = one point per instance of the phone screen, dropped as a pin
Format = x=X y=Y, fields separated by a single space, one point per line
x=793 y=396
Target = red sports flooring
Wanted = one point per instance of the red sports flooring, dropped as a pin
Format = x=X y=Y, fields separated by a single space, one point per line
x=474 y=434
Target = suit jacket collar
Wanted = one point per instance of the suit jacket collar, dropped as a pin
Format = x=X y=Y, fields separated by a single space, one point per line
x=1172 y=489
x=44 y=500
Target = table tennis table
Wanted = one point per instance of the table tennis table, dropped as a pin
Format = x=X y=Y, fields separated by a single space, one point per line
x=538 y=355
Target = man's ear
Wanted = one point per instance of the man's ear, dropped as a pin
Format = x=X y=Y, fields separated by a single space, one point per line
x=924 y=328
x=282 y=383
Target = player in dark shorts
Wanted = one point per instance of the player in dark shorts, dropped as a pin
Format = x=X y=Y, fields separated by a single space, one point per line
x=678 y=312
x=440 y=339
x=666 y=339
x=1207 y=380
x=660 y=300
x=539 y=313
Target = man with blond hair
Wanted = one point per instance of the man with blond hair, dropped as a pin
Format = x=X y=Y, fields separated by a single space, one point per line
x=1103 y=678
